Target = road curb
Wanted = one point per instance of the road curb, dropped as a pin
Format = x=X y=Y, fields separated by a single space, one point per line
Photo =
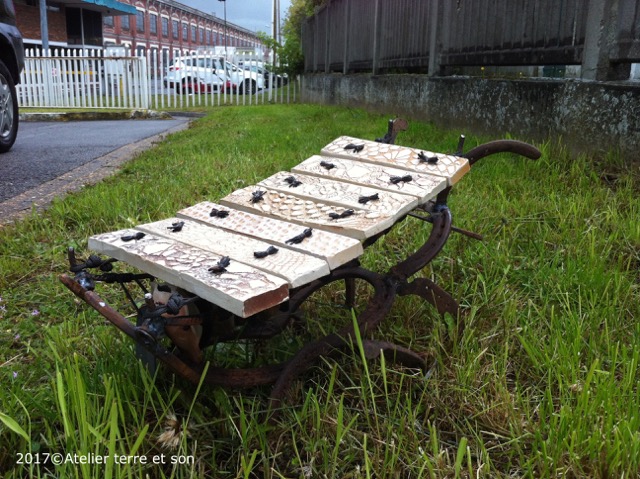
x=96 y=115
x=40 y=197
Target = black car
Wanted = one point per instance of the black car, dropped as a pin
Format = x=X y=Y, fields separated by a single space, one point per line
x=11 y=64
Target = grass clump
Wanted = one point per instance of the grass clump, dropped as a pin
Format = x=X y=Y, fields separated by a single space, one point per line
x=542 y=382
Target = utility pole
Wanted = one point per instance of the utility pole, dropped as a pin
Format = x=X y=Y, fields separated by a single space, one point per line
x=276 y=10
x=44 y=26
x=225 y=30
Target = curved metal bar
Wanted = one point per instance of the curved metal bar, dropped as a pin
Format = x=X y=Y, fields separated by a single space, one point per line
x=394 y=353
x=343 y=273
x=431 y=292
x=429 y=250
x=378 y=307
x=502 y=146
x=216 y=376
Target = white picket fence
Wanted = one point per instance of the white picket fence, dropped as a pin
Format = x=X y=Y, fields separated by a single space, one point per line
x=73 y=78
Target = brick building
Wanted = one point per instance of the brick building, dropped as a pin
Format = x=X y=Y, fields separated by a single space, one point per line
x=168 y=26
x=163 y=26
x=71 y=23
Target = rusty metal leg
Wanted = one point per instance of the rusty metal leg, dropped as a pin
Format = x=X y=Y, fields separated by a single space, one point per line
x=429 y=250
x=434 y=294
x=215 y=376
x=394 y=353
x=350 y=292
x=376 y=310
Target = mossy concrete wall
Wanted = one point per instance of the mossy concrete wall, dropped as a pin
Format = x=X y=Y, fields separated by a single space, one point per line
x=591 y=117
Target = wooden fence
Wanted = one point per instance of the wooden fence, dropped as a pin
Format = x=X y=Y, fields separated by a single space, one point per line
x=438 y=36
x=74 y=78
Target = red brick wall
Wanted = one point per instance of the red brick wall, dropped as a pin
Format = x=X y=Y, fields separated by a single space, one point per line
x=28 y=19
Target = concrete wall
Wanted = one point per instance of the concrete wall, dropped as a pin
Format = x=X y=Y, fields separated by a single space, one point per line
x=589 y=116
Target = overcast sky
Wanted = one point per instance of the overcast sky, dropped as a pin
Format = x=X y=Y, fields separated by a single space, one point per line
x=253 y=15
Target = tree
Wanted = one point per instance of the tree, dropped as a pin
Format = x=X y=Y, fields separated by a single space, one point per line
x=291 y=56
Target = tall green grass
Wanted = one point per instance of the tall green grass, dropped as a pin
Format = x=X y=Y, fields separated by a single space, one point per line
x=541 y=382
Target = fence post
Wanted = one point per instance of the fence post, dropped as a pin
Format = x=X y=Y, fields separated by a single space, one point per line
x=327 y=39
x=376 y=37
x=316 y=29
x=600 y=38
x=347 y=20
x=437 y=33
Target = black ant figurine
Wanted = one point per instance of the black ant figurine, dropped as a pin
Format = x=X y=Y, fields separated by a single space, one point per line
x=257 y=196
x=355 y=148
x=218 y=213
x=344 y=214
x=400 y=179
x=221 y=266
x=176 y=226
x=327 y=165
x=301 y=237
x=137 y=236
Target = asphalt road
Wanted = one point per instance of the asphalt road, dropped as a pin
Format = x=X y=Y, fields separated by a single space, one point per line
x=50 y=159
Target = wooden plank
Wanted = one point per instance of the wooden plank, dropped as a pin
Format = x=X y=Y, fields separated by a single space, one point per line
x=242 y=290
x=362 y=224
x=297 y=268
x=448 y=166
x=341 y=193
x=422 y=186
x=335 y=249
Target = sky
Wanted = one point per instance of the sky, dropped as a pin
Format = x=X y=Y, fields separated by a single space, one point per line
x=254 y=15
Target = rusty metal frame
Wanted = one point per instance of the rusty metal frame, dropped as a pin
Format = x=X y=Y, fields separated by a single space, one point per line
x=397 y=281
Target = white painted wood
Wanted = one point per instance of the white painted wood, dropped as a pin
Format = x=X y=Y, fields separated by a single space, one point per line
x=423 y=186
x=335 y=249
x=242 y=290
x=297 y=268
x=448 y=166
x=362 y=224
x=341 y=193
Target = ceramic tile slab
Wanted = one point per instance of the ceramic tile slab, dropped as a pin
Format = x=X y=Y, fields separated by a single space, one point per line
x=341 y=193
x=242 y=290
x=297 y=268
x=423 y=186
x=335 y=249
x=448 y=166
x=362 y=224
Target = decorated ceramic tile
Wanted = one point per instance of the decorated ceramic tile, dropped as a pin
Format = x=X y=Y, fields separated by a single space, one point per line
x=335 y=249
x=342 y=193
x=423 y=186
x=236 y=287
x=297 y=268
x=354 y=222
x=448 y=166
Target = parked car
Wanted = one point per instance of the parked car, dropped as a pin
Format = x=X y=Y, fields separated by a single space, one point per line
x=193 y=74
x=204 y=74
x=11 y=64
x=267 y=75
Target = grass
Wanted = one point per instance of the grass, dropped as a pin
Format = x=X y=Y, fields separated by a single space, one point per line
x=542 y=382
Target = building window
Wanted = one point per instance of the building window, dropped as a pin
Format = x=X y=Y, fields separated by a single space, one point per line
x=201 y=35
x=208 y=42
x=175 y=28
x=165 y=27
x=153 y=23
x=140 y=21
x=193 y=34
x=124 y=22
x=185 y=32
x=108 y=20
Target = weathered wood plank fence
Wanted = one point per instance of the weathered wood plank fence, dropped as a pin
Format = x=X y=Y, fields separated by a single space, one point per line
x=438 y=36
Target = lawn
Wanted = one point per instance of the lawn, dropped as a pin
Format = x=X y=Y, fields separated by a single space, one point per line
x=541 y=382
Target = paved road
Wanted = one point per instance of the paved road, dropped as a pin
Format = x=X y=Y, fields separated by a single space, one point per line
x=50 y=158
